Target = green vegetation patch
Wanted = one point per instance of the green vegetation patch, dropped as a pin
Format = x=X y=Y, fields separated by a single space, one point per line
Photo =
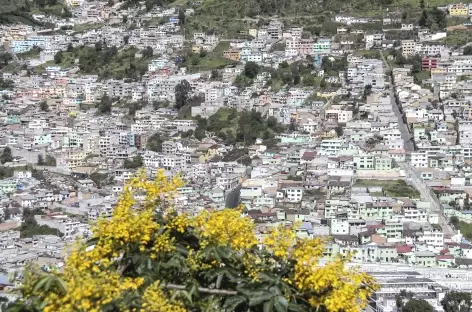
x=30 y=227
x=196 y=62
x=457 y=38
x=33 y=53
x=422 y=75
x=464 y=227
x=20 y=11
x=81 y=28
x=107 y=62
x=239 y=127
x=392 y=188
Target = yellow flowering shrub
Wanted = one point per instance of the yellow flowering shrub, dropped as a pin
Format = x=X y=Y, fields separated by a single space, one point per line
x=279 y=240
x=225 y=227
x=148 y=257
x=156 y=300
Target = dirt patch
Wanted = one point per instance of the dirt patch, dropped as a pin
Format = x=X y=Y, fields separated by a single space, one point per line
x=457 y=27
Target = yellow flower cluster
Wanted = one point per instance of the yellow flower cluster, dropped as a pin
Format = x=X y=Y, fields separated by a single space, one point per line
x=155 y=300
x=279 y=240
x=136 y=225
x=179 y=223
x=89 y=292
x=349 y=289
x=226 y=227
x=162 y=244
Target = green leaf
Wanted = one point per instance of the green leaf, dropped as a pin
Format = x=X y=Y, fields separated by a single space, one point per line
x=40 y=284
x=187 y=296
x=219 y=279
x=92 y=242
x=259 y=296
x=47 y=286
x=172 y=263
x=231 y=303
x=181 y=249
x=268 y=306
x=275 y=290
x=61 y=285
x=281 y=304
x=293 y=307
x=267 y=277
x=216 y=273
x=192 y=288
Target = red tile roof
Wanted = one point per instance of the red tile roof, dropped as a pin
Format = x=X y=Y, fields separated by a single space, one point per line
x=309 y=155
x=404 y=249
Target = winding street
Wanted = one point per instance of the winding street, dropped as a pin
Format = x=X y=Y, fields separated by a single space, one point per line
x=412 y=176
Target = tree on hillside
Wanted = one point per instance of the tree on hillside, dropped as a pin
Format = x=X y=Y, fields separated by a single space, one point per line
x=58 y=57
x=101 y=179
x=5 y=59
x=40 y=160
x=104 y=106
x=6 y=84
x=50 y=161
x=43 y=105
x=182 y=90
x=468 y=50
x=323 y=83
x=40 y=3
x=251 y=70
x=456 y=301
x=454 y=221
x=146 y=257
x=6 y=155
x=135 y=163
x=367 y=91
x=154 y=143
x=417 y=305
x=182 y=16
x=148 y=52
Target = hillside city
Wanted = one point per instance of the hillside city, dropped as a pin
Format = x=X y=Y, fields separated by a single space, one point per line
x=360 y=131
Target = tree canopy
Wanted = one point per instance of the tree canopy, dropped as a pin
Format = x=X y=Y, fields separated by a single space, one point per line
x=455 y=301
x=233 y=126
x=154 y=143
x=209 y=262
x=6 y=155
x=6 y=84
x=468 y=50
x=417 y=305
x=182 y=90
x=135 y=163
x=105 y=104
x=30 y=227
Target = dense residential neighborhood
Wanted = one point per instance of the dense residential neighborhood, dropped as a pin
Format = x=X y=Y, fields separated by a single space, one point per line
x=361 y=134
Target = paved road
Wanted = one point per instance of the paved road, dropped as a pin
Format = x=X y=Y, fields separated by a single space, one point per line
x=425 y=191
x=427 y=195
x=406 y=136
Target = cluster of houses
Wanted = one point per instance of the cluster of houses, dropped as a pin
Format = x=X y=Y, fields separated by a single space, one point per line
x=378 y=161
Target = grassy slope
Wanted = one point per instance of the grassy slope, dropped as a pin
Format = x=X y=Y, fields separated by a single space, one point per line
x=228 y=17
x=211 y=60
x=8 y=6
x=13 y=11
x=396 y=188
